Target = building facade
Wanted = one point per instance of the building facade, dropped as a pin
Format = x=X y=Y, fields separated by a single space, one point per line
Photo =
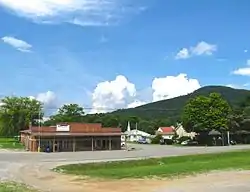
x=137 y=135
x=70 y=137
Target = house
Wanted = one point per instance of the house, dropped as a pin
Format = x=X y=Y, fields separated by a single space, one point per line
x=166 y=132
x=72 y=137
x=181 y=132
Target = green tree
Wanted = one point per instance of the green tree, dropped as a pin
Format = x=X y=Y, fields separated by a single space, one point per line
x=110 y=120
x=235 y=120
x=206 y=113
x=68 y=113
x=147 y=126
x=16 y=113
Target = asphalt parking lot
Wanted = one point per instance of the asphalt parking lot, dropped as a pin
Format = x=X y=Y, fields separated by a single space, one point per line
x=141 y=151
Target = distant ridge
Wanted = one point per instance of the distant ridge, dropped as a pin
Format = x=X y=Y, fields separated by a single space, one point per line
x=172 y=108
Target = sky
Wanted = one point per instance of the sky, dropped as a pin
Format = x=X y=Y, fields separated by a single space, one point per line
x=111 y=54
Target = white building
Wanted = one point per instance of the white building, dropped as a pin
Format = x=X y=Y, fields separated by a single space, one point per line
x=181 y=132
x=136 y=135
x=166 y=132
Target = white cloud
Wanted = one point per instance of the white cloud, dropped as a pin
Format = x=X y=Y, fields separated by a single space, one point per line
x=113 y=94
x=136 y=103
x=173 y=86
x=120 y=93
x=182 y=54
x=202 y=48
x=244 y=71
x=236 y=86
x=49 y=100
x=79 y=12
x=17 y=43
x=245 y=51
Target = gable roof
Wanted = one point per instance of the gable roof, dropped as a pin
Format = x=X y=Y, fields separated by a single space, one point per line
x=166 y=129
x=74 y=128
x=137 y=132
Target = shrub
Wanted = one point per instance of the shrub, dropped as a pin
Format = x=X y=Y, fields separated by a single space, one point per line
x=156 y=139
x=184 y=138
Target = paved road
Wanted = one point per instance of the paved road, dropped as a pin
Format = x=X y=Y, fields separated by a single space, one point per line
x=142 y=151
x=30 y=167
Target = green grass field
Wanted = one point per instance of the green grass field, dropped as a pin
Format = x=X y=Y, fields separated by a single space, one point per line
x=10 y=143
x=14 y=187
x=162 y=167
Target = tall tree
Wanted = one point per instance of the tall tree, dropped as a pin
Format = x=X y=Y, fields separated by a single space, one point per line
x=69 y=113
x=206 y=113
x=16 y=113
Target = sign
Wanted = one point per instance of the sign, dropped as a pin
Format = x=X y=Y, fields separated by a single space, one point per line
x=62 y=128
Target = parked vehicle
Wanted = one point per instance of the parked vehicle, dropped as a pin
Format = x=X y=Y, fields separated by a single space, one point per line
x=142 y=141
x=233 y=142
x=189 y=143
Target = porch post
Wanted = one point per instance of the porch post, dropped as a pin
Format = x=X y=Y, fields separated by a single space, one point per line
x=92 y=143
x=110 y=143
x=74 y=144
x=54 y=141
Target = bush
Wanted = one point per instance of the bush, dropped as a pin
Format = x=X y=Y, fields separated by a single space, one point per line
x=156 y=139
x=184 y=138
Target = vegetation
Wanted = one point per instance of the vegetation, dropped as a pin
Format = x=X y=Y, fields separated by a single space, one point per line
x=67 y=113
x=172 y=108
x=206 y=113
x=162 y=167
x=16 y=114
x=14 y=187
x=162 y=113
x=157 y=139
x=10 y=143
x=229 y=109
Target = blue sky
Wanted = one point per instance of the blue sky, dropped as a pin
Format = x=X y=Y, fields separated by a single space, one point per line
x=73 y=51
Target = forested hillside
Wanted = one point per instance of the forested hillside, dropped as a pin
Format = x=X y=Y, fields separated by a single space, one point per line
x=172 y=108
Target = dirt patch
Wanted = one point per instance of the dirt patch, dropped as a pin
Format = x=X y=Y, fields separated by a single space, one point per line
x=40 y=177
x=229 y=181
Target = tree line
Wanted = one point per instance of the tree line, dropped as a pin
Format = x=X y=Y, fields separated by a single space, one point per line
x=202 y=113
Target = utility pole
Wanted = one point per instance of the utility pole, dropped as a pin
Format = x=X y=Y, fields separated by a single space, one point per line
x=228 y=138
x=136 y=132
x=39 y=127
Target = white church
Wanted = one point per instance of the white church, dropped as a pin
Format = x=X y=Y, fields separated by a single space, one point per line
x=135 y=135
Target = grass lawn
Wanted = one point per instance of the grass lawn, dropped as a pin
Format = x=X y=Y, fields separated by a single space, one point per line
x=162 y=167
x=14 y=187
x=10 y=143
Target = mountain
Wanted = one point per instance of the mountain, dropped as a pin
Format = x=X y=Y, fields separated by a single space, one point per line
x=172 y=108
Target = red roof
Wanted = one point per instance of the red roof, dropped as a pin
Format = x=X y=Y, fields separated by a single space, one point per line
x=167 y=129
x=75 y=128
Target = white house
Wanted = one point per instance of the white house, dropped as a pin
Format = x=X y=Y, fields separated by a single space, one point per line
x=181 y=132
x=166 y=132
